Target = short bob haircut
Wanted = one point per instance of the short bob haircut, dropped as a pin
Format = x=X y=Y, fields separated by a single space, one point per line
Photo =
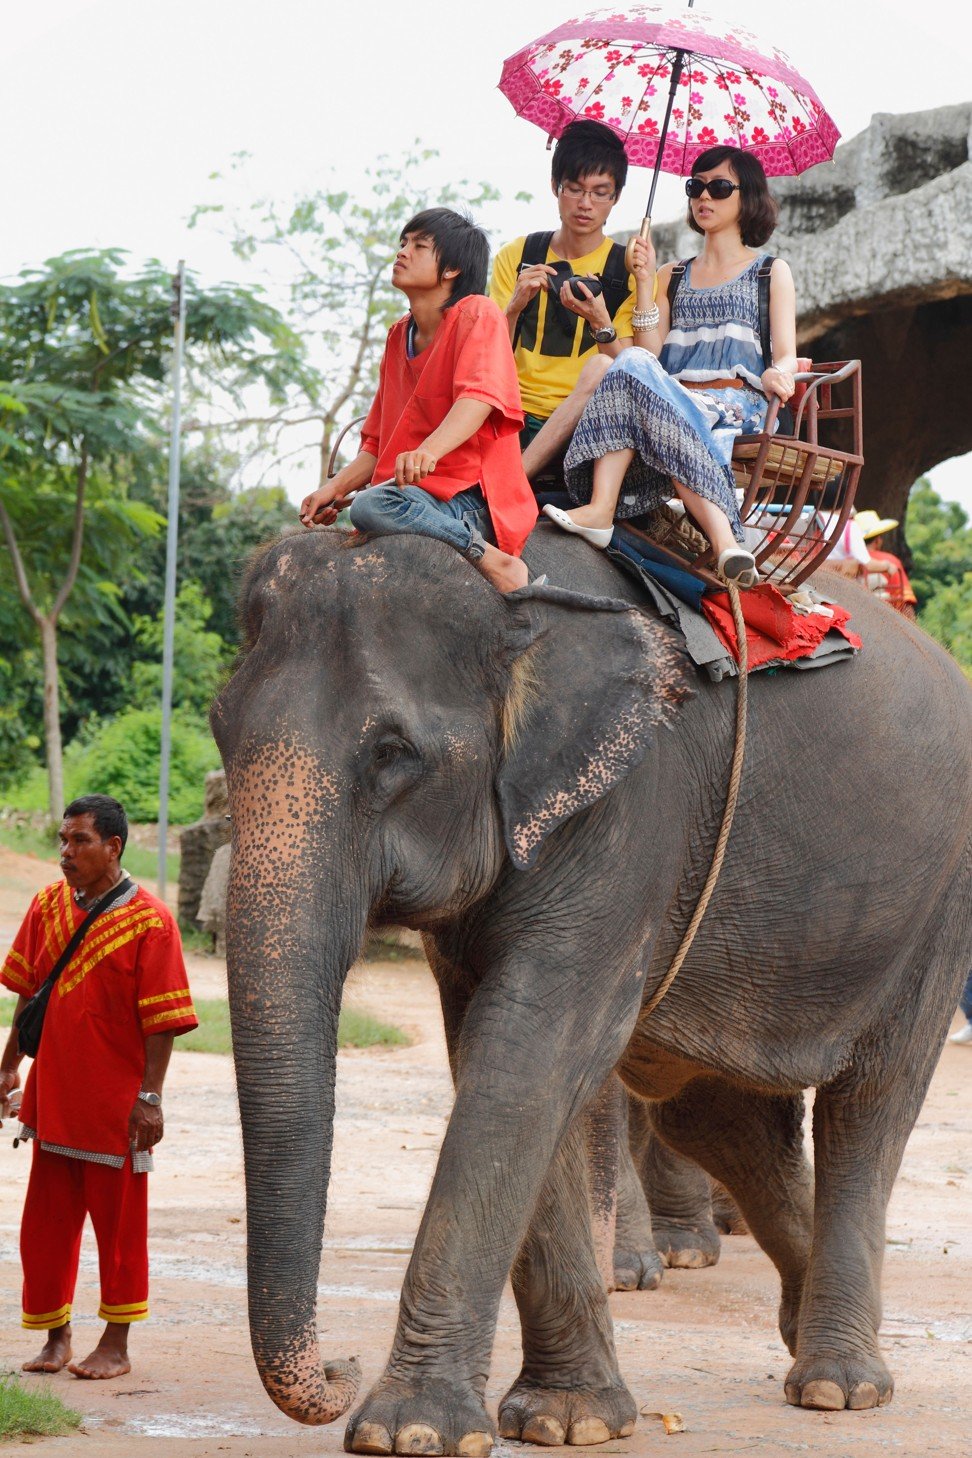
x=758 y=209
x=107 y=814
x=459 y=243
x=586 y=147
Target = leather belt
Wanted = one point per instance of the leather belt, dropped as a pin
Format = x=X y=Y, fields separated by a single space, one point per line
x=734 y=384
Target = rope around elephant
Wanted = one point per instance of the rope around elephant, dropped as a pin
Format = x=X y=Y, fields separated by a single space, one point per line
x=735 y=779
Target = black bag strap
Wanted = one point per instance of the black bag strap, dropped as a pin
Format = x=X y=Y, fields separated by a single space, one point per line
x=535 y=249
x=615 y=279
x=677 y=274
x=763 y=305
x=107 y=901
x=762 y=300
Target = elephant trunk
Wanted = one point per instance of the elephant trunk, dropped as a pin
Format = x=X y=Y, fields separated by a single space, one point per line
x=285 y=997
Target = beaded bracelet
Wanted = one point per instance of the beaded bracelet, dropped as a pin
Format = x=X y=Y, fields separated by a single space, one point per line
x=645 y=319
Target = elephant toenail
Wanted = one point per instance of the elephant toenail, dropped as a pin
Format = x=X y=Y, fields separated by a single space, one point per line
x=865 y=1394
x=827 y=1396
x=418 y=1438
x=627 y=1429
x=369 y=1438
x=586 y=1431
x=474 y=1445
x=544 y=1430
x=792 y=1394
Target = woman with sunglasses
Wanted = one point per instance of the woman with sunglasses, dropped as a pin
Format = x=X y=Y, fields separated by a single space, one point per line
x=665 y=417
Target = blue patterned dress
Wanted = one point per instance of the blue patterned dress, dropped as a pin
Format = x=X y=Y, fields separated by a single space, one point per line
x=679 y=434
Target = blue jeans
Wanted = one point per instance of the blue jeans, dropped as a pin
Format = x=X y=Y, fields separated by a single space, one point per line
x=965 y=1001
x=461 y=522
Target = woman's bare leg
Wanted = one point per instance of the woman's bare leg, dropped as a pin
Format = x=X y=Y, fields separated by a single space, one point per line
x=711 y=518
x=609 y=474
x=735 y=563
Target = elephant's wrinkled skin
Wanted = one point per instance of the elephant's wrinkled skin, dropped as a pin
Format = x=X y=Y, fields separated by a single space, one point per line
x=537 y=782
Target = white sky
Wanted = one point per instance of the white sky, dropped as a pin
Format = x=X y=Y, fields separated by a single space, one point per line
x=115 y=112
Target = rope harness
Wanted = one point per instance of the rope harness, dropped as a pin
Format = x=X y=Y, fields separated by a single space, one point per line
x=735 y=778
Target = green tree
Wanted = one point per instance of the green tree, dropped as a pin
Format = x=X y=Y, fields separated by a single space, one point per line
x=200 y=658
x=84 y=349
x=948 y=617
x=336 y=249
x=940 y=542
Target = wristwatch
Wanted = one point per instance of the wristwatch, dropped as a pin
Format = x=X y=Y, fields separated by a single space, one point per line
x=155 y=1100
x=605 y=336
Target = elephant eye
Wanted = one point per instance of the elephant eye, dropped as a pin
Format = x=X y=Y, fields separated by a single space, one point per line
x=391 y=750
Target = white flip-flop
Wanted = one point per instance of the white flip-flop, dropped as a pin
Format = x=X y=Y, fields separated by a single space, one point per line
x=599 y=537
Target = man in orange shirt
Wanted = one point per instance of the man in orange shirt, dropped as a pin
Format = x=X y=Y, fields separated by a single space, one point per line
x=441 y=441
x=92 y=1104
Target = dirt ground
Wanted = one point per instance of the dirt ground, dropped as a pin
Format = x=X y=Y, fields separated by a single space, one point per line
x=704 y=1345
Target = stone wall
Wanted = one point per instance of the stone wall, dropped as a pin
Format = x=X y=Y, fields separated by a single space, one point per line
x=198 y=843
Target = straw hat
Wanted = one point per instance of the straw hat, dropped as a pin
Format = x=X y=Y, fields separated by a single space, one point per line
x=872 y=525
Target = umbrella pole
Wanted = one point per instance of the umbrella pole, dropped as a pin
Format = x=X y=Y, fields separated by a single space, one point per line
x=645 y=229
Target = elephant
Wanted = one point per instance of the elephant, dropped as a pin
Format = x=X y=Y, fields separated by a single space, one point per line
x=536 y=782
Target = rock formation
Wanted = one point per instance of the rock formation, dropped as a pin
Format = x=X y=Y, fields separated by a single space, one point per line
x=197 y=845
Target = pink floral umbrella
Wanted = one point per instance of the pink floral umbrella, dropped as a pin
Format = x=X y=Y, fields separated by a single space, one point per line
x=723 y=85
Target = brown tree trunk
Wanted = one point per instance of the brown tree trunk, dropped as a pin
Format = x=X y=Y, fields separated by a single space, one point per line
x=52 y=719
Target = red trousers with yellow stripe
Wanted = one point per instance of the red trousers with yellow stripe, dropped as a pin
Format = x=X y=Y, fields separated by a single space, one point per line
x=60 y=1193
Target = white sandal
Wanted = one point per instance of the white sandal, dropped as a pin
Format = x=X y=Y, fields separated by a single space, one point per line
x=599 y=537
x=738 y=567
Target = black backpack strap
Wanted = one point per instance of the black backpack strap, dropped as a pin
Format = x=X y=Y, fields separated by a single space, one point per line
x=536 y=246
x=677 y=274
x=763 y=306
x=615 y=279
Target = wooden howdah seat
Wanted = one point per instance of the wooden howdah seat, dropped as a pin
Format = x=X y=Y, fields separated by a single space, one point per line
x=796 y=486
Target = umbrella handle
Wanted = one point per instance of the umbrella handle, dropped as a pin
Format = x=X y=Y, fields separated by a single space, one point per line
x=644 y=232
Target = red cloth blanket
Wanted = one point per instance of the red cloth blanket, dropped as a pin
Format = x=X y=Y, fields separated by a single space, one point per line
x=774 y=630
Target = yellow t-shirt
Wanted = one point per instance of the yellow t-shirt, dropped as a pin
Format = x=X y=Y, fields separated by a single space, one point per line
x=549 y=358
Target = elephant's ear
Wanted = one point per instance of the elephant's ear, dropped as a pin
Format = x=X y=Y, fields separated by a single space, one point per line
x=591 y=681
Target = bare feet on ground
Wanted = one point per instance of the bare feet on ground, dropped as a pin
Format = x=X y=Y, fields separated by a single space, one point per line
x=54 y=1353
x=109 y=1358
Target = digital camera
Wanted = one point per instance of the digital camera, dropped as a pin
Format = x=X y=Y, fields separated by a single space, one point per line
x=563 y=274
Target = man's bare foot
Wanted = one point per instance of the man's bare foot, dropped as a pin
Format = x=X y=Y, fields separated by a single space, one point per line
x=110 y=1356
x=505 y=572
x=55 y=1352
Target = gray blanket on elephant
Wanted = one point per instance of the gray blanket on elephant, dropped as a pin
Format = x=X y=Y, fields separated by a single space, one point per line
x=700 y=640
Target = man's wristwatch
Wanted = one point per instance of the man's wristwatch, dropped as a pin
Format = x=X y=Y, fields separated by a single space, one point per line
x=605 y=336
x=150 y=1098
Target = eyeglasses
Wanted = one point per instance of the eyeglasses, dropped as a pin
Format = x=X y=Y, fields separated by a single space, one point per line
x=596 y=194
x=717 y=187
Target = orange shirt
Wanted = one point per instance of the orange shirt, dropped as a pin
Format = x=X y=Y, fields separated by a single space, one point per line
x=899 y=589
x=469 y=359
x=126 y=981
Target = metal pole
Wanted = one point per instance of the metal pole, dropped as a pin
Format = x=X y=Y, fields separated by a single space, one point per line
x=171 y=544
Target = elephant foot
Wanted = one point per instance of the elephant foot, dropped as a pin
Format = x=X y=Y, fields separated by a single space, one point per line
x=637 y=1270
x=430 y=1416
x=725 y=1212
x=553 y=1416
x=834 y=1380
x=687 y=1247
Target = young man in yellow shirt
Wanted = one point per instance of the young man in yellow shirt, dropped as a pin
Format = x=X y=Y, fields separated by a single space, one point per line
x=563 y=344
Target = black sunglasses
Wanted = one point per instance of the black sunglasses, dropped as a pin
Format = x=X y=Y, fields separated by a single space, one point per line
x=718 y=187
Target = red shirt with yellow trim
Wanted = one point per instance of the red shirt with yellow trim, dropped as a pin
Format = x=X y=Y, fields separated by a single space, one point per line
x=126 y=981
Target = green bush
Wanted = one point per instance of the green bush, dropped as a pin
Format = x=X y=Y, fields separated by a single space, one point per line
x=120 y=757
